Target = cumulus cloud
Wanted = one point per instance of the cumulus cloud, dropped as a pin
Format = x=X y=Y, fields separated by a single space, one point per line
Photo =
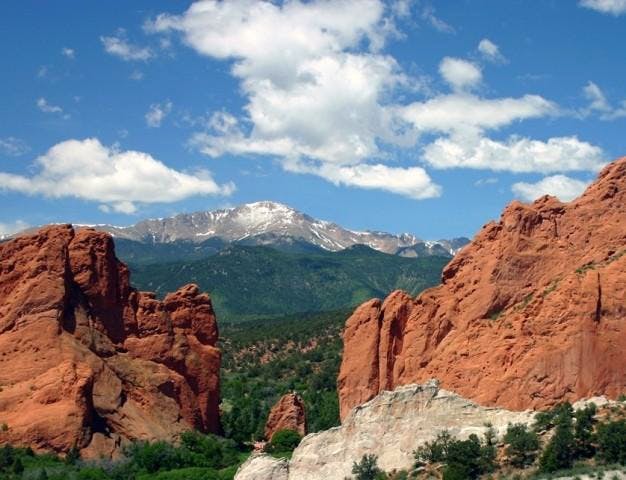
x=119 y=46
x=13 y=147
x=319 y=101
x=412 y=182
x=490 y=51
x=460 y=74
x=68 y=52
x=599 y=104
x=612 y=7
x=466 y=112
x=157 y=112
x=323 y=98
x=560 y=186
x=515 y=154
x=9 y=228
x=120 y=180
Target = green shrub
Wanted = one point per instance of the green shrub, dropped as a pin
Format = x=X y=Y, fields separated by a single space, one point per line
x=92 y=473
x=18 y=466
x=612 y=442
x=435 y=451
x=559 y=453
x=4 y=427
x=152 y=457
x=284 y=441
x=584 y=437
x=6 y=456
x=198 y=450
x=522 y=445
x=191 y=473
x=367 y=468
x=465 y=459
x=547 y=420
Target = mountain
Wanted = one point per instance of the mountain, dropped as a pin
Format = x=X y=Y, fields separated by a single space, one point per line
x=272 y=224
x=530 y=314
x=252 y=282
x=86 y=361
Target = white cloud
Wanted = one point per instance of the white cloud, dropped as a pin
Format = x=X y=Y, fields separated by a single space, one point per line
x=323 y=99
x=412 y=182
x=88 y=170
x=311 y=96
x=428 y=14
x=561 y=186
x=136 y=75
x=13 y=147
x=486 y=181
x=596 y=97
x=460 y=74
x=599 y=104
x=157 y=112
x=516 y=154
x=68 y=52
x=47 y=107
x=613 y=7
x=490 y=51
x=119 y=46
x=465 y=112
x=10 y=228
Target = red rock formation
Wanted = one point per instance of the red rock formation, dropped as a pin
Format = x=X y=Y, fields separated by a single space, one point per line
x=531 y=313
x=86 y=360
x=287 y=414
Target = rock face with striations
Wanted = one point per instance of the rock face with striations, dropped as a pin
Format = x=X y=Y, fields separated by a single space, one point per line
x=87 y=361
x=287 y=414
x=531 y=313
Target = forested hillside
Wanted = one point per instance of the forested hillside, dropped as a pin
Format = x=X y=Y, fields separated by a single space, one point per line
x=261 y=282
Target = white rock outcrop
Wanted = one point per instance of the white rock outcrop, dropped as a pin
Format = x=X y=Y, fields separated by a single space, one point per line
x=391 y=426
x=263 y=467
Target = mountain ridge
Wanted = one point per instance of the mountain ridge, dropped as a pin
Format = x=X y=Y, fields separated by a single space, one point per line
x=273 y=223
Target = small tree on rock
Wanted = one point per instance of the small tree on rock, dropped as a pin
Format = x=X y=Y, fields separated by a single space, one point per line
x=522 y=445
x=367 y=468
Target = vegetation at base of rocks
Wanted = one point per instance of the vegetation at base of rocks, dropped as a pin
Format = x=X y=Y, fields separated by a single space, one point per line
x=283 y=443
x=367 y=469
x=265 y=359
x=522 y=445
x=198 y=456
x=461 y=459
x=562 y=442
x=248 y=283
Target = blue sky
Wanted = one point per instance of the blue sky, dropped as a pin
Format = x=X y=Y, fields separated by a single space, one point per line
x=426 y=117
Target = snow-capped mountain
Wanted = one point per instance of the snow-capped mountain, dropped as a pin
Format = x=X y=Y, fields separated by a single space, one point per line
x=269 y=223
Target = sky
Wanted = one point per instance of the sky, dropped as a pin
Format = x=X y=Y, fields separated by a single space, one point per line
x=416 y=116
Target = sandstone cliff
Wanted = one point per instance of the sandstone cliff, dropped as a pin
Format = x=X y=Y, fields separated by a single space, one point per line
x=287 y=414
x=391 y=426
x=86 y=361
x=531 y=313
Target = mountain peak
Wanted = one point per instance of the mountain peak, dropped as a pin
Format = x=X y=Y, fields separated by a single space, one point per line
x=272 y=223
